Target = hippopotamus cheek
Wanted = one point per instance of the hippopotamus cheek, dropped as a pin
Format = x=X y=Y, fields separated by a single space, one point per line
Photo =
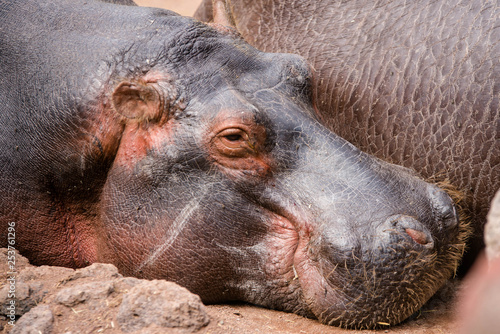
x=277 y=252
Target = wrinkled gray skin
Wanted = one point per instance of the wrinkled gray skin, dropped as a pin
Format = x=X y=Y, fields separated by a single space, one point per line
x=415 y=83
x=175 y=150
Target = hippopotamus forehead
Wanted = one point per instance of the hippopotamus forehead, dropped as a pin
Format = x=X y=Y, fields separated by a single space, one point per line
x=282 y=72
x=228 y=62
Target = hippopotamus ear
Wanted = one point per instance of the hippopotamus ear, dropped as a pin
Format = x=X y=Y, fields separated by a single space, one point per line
x=222 y=13
x=137 y=101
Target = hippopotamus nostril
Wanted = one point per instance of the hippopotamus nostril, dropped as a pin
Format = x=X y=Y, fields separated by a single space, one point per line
x=401 y=226
x=450 y=221
x=443 y=208
x=418 y=236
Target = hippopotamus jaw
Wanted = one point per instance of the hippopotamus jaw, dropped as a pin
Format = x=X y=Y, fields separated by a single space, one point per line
x=353 y=288
x=363 y=289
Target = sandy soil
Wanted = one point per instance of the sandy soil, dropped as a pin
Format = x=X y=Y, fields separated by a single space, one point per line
x=246 y=319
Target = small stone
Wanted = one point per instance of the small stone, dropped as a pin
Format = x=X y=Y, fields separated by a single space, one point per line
x=100 y=270
x=38 y=320
x=83 y=292
x=161 y=303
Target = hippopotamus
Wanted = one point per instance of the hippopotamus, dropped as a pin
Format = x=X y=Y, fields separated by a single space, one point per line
x=416 y=83
x=174 y=150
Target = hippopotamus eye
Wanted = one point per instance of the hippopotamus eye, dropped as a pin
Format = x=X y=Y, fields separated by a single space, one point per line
x=234 y=142
x=239 y=146
x=233 y=138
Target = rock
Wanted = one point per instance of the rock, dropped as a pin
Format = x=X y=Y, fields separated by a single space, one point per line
x=161 y=303
x=28 y=287
x=38 y=320
x=33 y=273
x=24 y=298
x=84 y=293
x=97 y=270
x=93 y=299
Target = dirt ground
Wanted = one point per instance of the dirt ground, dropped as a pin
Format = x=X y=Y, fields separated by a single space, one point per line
x=247 y=319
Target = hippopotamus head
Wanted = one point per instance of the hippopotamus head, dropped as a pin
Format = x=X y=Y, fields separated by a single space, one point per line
x=226 y=183
x=183 y=153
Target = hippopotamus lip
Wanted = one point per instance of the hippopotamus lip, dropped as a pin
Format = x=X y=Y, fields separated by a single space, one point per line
x=327 y=300
x=310 y=280
x=300 y=265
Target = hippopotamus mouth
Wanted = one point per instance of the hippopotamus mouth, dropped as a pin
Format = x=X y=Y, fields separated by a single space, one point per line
x=381 y=281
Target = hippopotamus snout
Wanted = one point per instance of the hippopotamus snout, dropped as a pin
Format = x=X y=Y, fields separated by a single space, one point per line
x=425 y=234
x=378 y=236
x=394 y=261
x=442 y=228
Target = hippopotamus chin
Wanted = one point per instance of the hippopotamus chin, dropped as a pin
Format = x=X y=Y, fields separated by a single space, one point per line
x=175 y=150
